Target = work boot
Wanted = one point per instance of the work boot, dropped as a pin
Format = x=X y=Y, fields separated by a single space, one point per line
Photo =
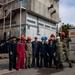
x=40 y=66
x=70 y=65
x=61 y=66
x=29 y=66
x=25 y=67
x=17 y=69
x=57 y=66
x=10 y=69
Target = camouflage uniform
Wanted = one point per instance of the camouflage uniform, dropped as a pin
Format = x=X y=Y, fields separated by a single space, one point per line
x=28 y=54
x=59 y=52
x=66 y=50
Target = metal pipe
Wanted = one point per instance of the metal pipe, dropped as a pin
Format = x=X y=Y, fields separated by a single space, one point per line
x=20 y=18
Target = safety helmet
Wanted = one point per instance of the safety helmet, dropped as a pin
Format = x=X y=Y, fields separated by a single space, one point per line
x=22 y=37
x=43 y=38
x=62 y=34
x=52 y=35
x=28 y=38
x=58 y=37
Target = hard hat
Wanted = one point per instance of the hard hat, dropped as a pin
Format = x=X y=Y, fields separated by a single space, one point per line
x=43 y=38
x=22 y=37
x=28 y=38
x=62 y=34
x=58 y=37
x=52 y=35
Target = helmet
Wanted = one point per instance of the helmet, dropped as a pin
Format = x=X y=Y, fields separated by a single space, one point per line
x=62 y=34
x=52 y=35
x=28 y=38
x=22 y=37
x=58 y=37
x=43 y=38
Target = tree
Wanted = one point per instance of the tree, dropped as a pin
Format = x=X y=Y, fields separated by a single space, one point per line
x=65 y=28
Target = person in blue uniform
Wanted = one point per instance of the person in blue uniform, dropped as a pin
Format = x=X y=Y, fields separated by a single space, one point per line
x=35 y=53
x=43 y=52
x=52 y=53
x=54 y=42
x=12 y=53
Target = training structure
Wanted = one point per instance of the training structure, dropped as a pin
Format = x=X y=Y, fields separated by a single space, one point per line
x=28 y=18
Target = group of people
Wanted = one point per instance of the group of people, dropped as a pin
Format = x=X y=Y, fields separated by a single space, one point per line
x=24 y=53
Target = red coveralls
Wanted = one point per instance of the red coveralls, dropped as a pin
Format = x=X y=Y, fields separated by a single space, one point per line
x=20 y=58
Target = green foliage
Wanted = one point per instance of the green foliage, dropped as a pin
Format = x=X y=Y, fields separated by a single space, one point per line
x=65 y=28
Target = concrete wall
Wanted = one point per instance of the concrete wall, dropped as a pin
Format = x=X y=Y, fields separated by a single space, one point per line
x=1 y=1
x=41 y=7
x=31 y=28
x=32 y=23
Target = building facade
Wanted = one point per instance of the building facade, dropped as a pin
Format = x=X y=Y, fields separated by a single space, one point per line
x=28 y=17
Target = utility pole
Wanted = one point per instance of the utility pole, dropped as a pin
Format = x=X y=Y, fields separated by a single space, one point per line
x=20 y=16
x=4 y=24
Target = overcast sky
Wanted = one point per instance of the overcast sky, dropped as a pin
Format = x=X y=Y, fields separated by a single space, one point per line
x=67 y=11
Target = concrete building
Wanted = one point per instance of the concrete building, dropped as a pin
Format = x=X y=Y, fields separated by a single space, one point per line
x=28 y=17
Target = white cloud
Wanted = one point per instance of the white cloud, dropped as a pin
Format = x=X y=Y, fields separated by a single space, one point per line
x=67 y=12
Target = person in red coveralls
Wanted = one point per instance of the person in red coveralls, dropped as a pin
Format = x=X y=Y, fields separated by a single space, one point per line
x=20 y=53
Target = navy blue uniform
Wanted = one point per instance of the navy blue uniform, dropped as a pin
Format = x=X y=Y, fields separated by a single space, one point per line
x=43 y=54
x=51 y=51
x=35 y=53
x=12 y=58
x=54 y=42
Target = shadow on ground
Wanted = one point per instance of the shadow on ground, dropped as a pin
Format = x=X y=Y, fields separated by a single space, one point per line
x=47 y=71
x=36 y=71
